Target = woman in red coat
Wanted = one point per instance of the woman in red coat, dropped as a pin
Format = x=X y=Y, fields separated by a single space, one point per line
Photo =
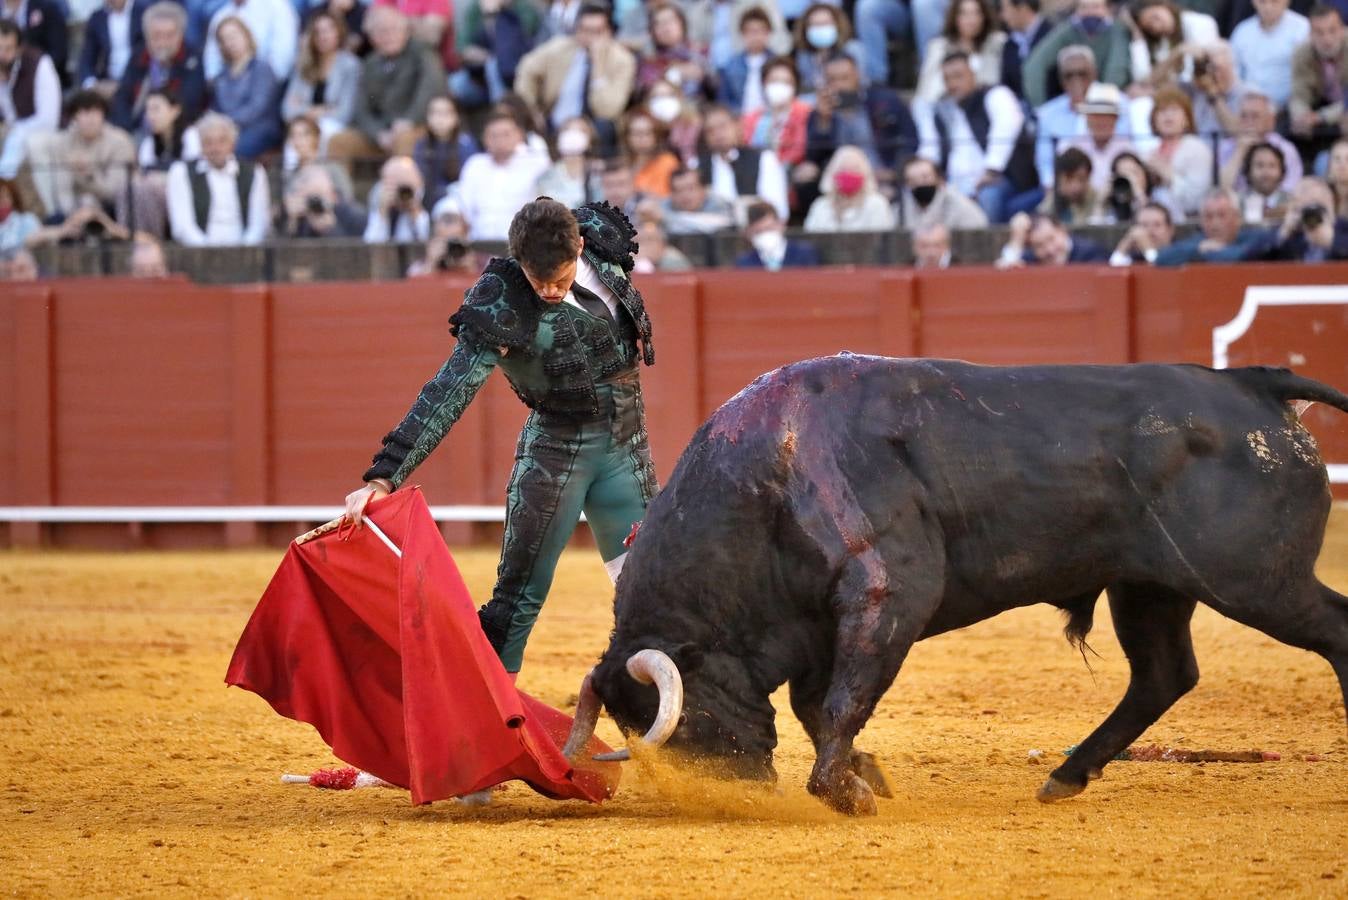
x=780 y=125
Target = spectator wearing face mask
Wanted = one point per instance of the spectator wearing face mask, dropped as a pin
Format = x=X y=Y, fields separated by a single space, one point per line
x=849 y=199
x=780 y=124
x=1090 y=25
x=680 y=117
x=927 y=201
x=769 y=246
x=1152 y=232
x=571 y=180
x=822 y=32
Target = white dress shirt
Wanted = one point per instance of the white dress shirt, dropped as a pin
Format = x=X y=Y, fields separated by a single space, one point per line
x=588 y=278
x=275 y=30
x=224 y=222
x=119 y=40
x=771 y=180
x=968 y=161
x=492 y=193
x=753 y=85
x=46 y=97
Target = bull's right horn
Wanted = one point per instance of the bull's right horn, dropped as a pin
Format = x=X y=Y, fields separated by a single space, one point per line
x=654 y=667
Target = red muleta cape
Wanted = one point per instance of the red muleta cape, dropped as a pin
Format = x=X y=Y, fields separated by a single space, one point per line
x=385 y=657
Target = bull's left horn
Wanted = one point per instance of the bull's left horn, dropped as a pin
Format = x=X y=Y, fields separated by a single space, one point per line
x=587 y=716
x=654 y=667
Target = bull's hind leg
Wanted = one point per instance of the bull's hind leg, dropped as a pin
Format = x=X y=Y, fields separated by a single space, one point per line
x=1152 y=624
x=881 y=612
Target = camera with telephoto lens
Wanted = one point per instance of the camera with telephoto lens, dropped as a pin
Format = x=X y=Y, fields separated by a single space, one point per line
x=1121 y=198
x=315 y=205
x=1313 y=216
x=1202 y=65
x=406 y=193
x=452 y=258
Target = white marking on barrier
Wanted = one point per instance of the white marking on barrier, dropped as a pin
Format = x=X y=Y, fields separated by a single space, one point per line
x=1223 y=336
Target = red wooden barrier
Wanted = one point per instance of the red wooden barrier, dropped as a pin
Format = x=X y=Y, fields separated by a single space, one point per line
x=120 y=392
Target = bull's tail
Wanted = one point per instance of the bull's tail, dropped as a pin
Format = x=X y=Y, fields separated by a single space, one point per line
x=1284 y=385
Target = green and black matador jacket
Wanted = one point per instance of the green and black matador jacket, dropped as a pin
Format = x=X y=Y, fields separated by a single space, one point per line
x=552 y=354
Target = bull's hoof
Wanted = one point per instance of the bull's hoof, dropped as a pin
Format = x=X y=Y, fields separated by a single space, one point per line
x=853 y=797
x=1055 y=790
x=869 y=771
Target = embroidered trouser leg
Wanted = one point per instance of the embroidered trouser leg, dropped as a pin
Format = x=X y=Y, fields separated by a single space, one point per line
x=602 y=468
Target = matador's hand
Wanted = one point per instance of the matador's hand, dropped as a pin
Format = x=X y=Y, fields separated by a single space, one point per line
x=357 y=500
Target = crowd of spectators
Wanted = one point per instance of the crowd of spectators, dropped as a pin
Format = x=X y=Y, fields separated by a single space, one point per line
x=227 y=122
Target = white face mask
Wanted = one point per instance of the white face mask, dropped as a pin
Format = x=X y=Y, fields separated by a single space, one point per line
x=573 y=142
x=771 y=247
x=778 y=93
x=665 y=108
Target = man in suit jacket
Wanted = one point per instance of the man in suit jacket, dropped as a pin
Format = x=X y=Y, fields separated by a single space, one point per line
x=164 y=62
x=42 y=24
x=1319 y=74
x=586 y=73
x=112 y=37
x=1025 y=28
x=769 y=247
x=1042 y=240
x=1222 y=238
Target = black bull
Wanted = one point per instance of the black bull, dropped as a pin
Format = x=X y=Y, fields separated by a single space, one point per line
x=837 y=510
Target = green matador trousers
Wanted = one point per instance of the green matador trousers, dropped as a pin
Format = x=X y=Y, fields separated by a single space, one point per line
x=562 y=467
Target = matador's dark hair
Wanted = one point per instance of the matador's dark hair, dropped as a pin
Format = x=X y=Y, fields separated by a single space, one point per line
x=544 y=236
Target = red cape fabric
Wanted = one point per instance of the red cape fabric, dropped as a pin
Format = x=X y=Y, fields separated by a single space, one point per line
x=385 y=657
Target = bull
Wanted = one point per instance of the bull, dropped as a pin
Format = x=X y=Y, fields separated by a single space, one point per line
x=837 y=510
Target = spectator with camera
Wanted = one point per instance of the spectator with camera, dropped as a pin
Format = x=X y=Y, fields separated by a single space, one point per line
x=447 y=248
x=165 y=64
x=1073 y=200
x=1214 y=87
x=926 y=200
x=1222 y=238
x=1264 y=44
x=1131 y=186
x=397 y=82
x=1310 y=231
x=216 y=201
x=303 y=148
x=312 y=208
x=1152 y=231
x=397 y=214
x=1319 y=74
x=1092 y=26
x=1160 y=28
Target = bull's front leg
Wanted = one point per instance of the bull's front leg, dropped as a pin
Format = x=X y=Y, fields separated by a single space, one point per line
x=881 y=613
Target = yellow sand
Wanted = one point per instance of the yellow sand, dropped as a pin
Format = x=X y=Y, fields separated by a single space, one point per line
x=131 y=769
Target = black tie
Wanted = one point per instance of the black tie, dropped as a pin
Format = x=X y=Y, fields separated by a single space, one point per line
x=590 y=302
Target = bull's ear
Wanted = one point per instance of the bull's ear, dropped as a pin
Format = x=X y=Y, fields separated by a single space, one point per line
x=688 y=657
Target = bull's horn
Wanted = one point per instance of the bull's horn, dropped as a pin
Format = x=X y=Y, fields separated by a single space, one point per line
x=587 y=716
x=654 y=667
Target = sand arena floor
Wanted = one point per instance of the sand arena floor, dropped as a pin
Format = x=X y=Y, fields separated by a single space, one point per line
x=130 y=769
